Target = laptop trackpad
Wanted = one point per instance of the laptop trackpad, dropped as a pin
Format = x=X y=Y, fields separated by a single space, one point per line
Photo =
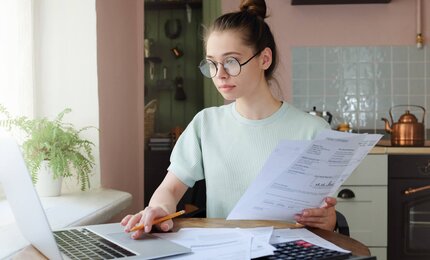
x=149 y=246
x=125 y=238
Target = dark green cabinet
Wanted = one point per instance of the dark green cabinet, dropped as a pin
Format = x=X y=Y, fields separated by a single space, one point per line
x=171 y=66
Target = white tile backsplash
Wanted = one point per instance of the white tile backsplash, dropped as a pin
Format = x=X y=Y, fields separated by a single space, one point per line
x=359 y=84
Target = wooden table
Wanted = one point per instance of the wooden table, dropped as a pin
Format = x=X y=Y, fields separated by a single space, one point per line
x=340 y=240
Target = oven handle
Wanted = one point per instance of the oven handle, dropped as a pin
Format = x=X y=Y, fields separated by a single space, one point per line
x=411 y=190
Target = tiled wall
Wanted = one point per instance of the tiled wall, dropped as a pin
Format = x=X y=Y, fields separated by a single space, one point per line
x=360 y=84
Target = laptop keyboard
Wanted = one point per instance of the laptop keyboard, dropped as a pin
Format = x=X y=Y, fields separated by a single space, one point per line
x=84 y=244
x=301 y=249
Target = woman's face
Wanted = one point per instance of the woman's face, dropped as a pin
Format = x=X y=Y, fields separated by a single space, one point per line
x=222 y=45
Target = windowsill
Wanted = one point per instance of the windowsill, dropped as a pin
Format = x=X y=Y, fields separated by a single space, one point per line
x=70 y=209
x=2 y=196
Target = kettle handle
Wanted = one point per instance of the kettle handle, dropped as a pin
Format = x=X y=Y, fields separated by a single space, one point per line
x=424 y=111
x=330 y=117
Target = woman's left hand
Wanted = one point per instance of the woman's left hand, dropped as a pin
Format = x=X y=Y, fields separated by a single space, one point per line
x=323 y=218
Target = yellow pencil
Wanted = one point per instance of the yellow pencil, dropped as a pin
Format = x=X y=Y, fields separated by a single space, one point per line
x=170 y=216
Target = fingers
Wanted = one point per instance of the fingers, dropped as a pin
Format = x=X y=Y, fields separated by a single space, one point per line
x=319 y=218
x=155 y=213
x=326 y=223
x=330 y=202
x=138 y=234
x=166 y=225
x=323 y=218
x=146 y=217
x=312 y=216
x=125 y=220
x=130 y=221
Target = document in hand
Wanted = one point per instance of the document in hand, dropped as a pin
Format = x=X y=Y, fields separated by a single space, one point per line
x=300 y=174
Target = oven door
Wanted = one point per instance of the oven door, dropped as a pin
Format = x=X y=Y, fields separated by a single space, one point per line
x=409 y=219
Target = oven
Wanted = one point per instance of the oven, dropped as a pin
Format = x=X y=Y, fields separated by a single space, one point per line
x=408 y=207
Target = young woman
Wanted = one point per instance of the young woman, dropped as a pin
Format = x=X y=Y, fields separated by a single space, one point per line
x=228 y=145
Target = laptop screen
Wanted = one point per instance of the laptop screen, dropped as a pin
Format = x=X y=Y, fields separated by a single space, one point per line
x=23 y=199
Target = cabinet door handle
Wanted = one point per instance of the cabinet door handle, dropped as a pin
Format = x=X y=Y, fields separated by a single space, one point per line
x=346 y=194
x=424 y=169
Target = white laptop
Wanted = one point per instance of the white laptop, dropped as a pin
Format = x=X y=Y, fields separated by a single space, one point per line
x=107 y=240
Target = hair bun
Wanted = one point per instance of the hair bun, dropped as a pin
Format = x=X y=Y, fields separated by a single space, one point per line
x=256 y=7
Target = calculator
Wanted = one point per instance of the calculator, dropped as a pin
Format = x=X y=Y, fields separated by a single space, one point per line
x=300 y=249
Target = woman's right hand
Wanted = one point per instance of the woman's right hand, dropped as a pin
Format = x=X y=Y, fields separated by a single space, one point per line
x=146 y=217
x=163 y=202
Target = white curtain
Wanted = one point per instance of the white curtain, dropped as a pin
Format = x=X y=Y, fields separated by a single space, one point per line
x=16 y=56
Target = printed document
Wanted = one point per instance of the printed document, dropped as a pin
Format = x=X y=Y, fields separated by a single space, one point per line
x=212 y=243
x=300 y=174
x=238 y=243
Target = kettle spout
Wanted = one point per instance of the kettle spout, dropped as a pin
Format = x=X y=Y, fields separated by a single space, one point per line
x=387 y=125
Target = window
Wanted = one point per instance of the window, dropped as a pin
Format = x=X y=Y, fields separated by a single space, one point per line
x=16 y=57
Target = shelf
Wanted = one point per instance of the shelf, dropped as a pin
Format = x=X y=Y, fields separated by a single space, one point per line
x=321 y=2
x=153 y=59
x=172 y=4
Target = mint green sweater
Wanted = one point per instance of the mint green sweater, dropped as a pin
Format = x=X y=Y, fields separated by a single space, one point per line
x=228 y=150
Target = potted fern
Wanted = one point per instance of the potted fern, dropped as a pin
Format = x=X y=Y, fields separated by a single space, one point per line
x=54 y=145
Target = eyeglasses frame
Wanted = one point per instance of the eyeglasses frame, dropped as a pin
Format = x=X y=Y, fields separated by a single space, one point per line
x=240 y=65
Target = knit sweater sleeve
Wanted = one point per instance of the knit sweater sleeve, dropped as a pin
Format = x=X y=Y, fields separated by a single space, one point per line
x=186 y=158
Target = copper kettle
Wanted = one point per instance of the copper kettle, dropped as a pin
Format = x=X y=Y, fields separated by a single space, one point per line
x=408 y=131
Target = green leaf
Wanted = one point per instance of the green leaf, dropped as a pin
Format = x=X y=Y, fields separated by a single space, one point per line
x=56 y=141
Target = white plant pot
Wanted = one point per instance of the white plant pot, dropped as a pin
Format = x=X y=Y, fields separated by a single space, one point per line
x=46 y=186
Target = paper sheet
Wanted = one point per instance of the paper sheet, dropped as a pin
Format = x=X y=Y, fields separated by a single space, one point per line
x=238 y=243
x=212 y=243
x=261 y=241
x=300 y=174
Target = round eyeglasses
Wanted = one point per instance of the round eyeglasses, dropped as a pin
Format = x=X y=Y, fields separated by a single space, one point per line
x=231 y=65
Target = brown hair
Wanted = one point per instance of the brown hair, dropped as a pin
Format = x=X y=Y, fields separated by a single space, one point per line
x=254 y=30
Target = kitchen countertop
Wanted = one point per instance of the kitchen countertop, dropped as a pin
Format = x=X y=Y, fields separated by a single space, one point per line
x=384 y=147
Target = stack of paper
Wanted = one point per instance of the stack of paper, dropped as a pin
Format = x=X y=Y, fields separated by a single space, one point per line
x=238 y=243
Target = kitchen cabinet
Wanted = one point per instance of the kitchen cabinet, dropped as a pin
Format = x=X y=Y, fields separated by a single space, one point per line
x=172 y=55
x=156 y=163
x=332 y=2
x=172 y=4
x=363 y=201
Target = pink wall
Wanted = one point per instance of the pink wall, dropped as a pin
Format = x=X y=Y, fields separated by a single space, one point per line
x=338 y=25
x=120 y=65
x=120 y=79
